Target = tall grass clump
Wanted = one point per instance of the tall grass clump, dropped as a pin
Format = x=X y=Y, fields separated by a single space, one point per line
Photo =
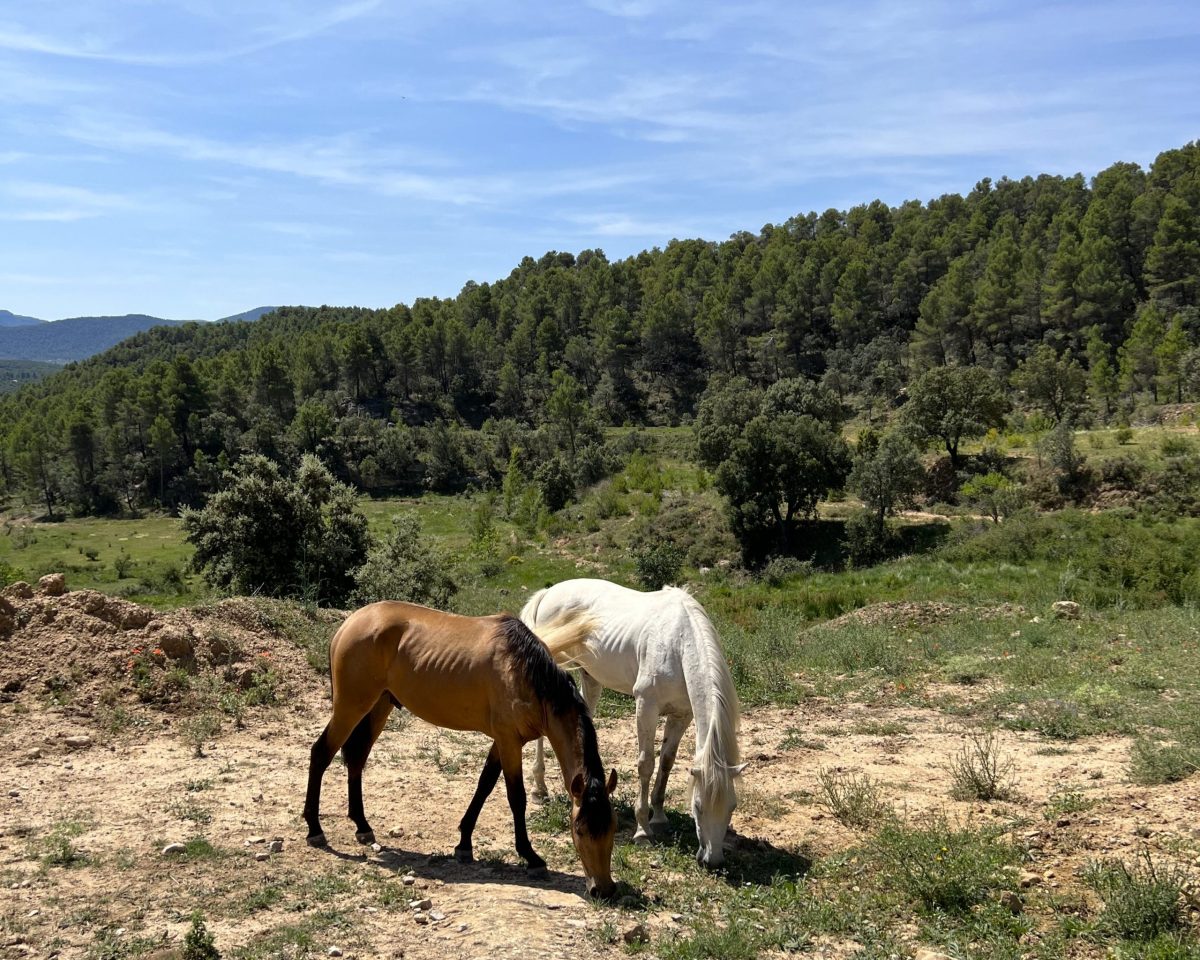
x=979 y=771
x=853 y=799
x=1142 y=901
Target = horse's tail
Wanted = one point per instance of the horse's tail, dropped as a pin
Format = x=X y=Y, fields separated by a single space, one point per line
x=529 y=612
x=566 y=632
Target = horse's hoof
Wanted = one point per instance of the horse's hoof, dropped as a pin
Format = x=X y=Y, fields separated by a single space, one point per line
x=641 y=838
x=660 y=828
x=464 y=855
x=316 y=840
x=539 y=798
x=537 y=873
x=365 y=836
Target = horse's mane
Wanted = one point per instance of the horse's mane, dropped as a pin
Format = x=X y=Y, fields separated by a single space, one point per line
x=557 y=691
x=719 y=756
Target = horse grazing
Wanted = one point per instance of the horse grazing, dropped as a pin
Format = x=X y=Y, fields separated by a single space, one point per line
x=489 y=674
x=661 y=648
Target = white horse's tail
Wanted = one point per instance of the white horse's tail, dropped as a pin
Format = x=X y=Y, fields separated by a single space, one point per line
x=529 y=612
x=566 y=632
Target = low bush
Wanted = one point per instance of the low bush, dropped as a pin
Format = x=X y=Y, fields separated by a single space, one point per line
x=1141 y=902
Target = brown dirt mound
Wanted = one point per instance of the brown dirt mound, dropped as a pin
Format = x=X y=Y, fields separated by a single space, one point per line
x=924 y=613
x=85 y=647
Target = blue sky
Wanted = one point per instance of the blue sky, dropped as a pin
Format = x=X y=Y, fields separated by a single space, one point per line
x=195 y=158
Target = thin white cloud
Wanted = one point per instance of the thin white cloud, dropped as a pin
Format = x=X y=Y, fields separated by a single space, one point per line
x=20 y=40
x=58 y=203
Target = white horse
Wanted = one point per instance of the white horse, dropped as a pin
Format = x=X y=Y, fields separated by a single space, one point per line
x=661 y=648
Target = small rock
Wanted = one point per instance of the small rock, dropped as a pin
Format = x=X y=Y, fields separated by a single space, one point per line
x=14 y=793
x=1066 y=610
x=262 y=855
x=408 y=880
x=436 y=915
x=275 y=846
x=636 y=934
x=420 y=918
x=18 y=591
x=1011 y=902
x=334 y=951
x=377 y=847
x=677 y=918
x=396 y=832
x=252 y=840
x=173 y=848
x=461 y=927
x=35 y=753
x=924 y=953
x=577 y=924
x=78 y=742
x=52 y=585
x=1029 y=879
x=1063 y=822
x=423 y=904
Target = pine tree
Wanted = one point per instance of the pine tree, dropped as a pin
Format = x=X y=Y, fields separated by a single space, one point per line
x=1173 y=260
x=1137 y=356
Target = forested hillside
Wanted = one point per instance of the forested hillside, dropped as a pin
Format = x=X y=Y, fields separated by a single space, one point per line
x=1096 y=282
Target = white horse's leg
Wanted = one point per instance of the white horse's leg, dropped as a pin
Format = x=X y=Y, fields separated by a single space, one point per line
x=591 y=690
x=647 y=724
x=539 y=772
x=673 y=733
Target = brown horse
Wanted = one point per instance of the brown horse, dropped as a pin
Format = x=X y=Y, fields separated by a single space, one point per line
x=490 y=674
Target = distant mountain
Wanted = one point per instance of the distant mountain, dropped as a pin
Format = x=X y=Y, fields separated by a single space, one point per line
x=74 y=339
x=248 y=314
x=10 y=319
x=77 y=338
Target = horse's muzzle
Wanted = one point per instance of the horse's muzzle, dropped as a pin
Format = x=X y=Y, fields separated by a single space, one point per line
x=598 y=892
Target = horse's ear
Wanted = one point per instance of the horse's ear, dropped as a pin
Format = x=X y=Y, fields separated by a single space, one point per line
x=612 y=780
x=577 y=786
x=695 y=772
x=737 y=771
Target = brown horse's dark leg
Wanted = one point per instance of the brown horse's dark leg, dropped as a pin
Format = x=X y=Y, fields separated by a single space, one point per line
x=514 y=783
x=319 y=759
x=327 y=744
x=355 y=752
x=466 y=827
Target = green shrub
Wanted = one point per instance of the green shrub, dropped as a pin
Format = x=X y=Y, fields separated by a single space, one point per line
x=779 y=570
x=1124 y=435
x=267 y=533
x=1141 y=902
x=405 y=566
x=658 y=565
x=867 y=542
x=979 y=772
x=853 y=799
x=122 y=564
x=1153 y=763
x=198 y=943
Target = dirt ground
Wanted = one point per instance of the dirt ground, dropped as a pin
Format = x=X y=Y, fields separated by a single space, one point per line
x=128 y=795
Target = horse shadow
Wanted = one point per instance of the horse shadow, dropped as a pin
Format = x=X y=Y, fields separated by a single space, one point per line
x=753 y=860
x=485 y=869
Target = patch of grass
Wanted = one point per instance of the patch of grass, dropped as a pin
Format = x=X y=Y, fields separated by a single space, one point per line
x=879 y=728
x=710 y=942
x=1067 y=801
x=1153 y=763
x=1142 y=901
x=942 y=867
x=979 y=771
x=552 y=816
x=852 y=798
x=186 y=810
x=57 y=848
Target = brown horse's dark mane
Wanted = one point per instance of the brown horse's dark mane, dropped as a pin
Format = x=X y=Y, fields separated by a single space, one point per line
x=555 y=688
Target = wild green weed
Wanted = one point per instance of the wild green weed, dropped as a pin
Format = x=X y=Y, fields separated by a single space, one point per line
x=979 y=770
x=1142 y=901
x=853 y=799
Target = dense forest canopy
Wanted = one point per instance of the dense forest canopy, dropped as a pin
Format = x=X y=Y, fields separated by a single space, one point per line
x=1050 y=277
